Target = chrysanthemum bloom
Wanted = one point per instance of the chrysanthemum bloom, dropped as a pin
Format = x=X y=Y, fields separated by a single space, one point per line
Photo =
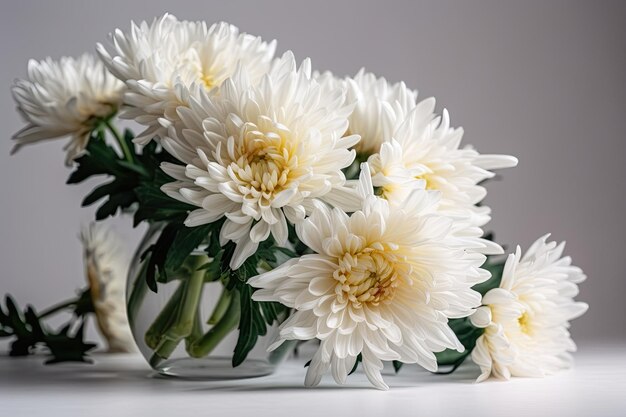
x=526 y=320
x=382 y=283
x=62 y=98
x=260 y=154
x=106 y=265
x=380 y=107
x=159 y=60
x=424 y=148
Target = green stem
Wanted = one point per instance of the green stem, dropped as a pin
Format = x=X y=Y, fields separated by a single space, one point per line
x=188 y=306
x=220 y=307
x=185 y=314
x=196 y=330
x=120 y=140
x=54 y=309
x=155 y=332
x=224 y=326
x=163 y=351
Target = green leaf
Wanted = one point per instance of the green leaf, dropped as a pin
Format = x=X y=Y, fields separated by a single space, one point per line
x=227 y=255
x=99 y=159
x=84 y=304
x=173 y=247
x=67 y=347
x=251 y=326
x=157 y=255
x=359 y=359
x=28 y=332
x=255 y=316
x=131 y=184
x=137 y=169
x=286 y=251
x=187 y=239
x=467 y=335
x=495 y=267
x=13 y=324
x=116 y=201
x=101 y=191
x=155 y=205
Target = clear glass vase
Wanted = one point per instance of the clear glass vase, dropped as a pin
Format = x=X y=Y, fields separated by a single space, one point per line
x=188 y=328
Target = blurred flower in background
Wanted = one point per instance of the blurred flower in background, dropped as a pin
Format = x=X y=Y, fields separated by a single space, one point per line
x=106 y=266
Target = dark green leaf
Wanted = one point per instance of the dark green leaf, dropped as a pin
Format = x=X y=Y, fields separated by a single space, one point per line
x=495 y=268
x=359 y=359
x=99 y=159
x=187 y=239
x=155 y=205
x=156 y=255
x=84 y=304
x=467 y=335
x=101 y=192
x=67 y=347
x=116 y=201
x=28 y=333
x=135 y=183
x=286 y=251
x=251 y=326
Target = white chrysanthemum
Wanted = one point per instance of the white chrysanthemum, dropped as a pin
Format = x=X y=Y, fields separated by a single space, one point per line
x=158 y=61
x=62 y=98
x=258 y=153
x=380 y=107
x=382 y=283
x=526 y=320
x=425 y=149
x=106 y=266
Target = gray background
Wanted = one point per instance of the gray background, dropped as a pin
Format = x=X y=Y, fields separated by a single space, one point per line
x=544 y=81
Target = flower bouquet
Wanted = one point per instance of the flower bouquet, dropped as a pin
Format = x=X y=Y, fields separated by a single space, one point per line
x=288 y=205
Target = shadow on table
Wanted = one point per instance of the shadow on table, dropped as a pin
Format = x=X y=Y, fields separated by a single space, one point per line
x=30 y=372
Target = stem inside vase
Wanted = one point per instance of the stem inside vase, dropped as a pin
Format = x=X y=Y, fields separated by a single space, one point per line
x=226 y=323
x=168 y=330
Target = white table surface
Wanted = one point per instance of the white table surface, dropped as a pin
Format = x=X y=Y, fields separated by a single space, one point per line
x=123 y=385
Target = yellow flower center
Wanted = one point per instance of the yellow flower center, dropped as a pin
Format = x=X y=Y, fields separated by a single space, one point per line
x=368 y=277
x=429 y=178
x=193 y=67
x=207 y=80
x=263 y=162
x=524 y=323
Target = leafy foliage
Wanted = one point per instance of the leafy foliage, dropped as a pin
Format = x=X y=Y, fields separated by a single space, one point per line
x=29 y=332
x=467 y=334
x=137 y=182
x=154 y=205
x=496 y=267
x=463 y=328
x=173 y=246
x=255 y=316
x=101 y=159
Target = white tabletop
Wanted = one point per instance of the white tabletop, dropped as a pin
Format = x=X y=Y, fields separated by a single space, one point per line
x=122 y=385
